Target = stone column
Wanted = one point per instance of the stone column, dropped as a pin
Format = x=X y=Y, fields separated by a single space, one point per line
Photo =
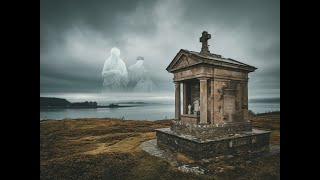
x=177 y=100
x=184 y=104
x=212 y=100
x=245 y=101
x=203 y=101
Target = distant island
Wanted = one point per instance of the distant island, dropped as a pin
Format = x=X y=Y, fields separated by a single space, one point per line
x=60 y=103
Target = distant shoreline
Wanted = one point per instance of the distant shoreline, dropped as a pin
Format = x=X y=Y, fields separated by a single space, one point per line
x=60 y=103
x=84 y=107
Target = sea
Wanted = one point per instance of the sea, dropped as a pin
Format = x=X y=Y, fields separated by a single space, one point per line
x=142 y=107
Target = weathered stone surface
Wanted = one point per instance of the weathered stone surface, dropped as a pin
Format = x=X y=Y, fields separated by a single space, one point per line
x=203 y=101
x=204 y=39
x=184 y=103
x=210 y=101
x=221 y=86
x=207 y=60
x=219 y=162
x=229 y=99
x=209 y=130
x=199 y=149
x=224 y=93
x=191 y=119
x=177 y=100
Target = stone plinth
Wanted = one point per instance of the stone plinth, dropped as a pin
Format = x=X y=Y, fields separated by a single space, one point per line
x=206 y=148
x=190 y=118
x=209 y=130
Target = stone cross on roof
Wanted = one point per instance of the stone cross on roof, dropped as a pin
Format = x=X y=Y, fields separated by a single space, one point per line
x=204 y=39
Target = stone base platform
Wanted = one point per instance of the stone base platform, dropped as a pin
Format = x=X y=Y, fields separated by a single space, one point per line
x=206 y=148
x=207 y=131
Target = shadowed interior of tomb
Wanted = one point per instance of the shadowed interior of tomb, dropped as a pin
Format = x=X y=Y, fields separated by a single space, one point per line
x=214 y=117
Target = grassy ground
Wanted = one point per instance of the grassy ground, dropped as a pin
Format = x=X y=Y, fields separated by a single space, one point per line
x=109 y=149
x=268 y=121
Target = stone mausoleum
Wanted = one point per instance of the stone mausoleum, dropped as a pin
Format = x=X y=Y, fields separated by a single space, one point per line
x=214 y=116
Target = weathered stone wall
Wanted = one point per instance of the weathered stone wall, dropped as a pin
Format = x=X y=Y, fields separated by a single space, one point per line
x=190 y=119
x=221 y=101
x=221 y=108
x=218 y=110
x=209 y=99
x=187 y=74
x=245 y=101
x=209 y=131
x=200 y=150
x=230 y=74
x=238 y=105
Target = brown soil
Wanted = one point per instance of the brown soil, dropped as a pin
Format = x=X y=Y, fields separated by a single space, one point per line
x=110 y=149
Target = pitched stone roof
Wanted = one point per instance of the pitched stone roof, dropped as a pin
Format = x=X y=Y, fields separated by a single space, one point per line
x=213 y=59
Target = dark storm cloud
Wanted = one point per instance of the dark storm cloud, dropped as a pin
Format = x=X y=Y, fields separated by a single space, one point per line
x=58 y=16
x=76 y=37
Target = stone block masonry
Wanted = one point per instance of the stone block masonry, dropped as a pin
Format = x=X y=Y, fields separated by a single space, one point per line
x=208 y=148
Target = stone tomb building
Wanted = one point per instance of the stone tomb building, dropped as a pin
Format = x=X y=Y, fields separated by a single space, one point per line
x=214 y=117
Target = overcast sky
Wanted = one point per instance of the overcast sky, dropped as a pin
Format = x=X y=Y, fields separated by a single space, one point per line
x=76 y=37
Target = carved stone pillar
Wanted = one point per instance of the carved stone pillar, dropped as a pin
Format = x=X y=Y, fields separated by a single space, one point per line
x=245 y=101
x=212 y=100
x=203 y=101
x=177 y=100
x=184 y=100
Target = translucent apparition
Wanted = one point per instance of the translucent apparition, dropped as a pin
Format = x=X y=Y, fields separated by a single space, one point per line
x=145 y=85
x=139 y=77
x=114 y=72
x=136 y=72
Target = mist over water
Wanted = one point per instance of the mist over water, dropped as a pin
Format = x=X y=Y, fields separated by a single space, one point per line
x=146 y=106
x=120 y=97
x=138 y=112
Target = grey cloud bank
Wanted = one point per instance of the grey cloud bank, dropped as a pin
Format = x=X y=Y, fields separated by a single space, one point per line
x=76 y=38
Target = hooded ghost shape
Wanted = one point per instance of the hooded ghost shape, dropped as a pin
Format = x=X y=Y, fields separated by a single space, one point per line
x=139 y=77
x=114 y=72
x=136 y=71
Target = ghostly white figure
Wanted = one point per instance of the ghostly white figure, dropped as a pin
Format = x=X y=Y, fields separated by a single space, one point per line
x=114 y=72
x=196 y=106
x=136 y=71
x=139 y=78
x=189 y=109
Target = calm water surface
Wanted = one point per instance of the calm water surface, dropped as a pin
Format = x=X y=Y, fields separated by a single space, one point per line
x=138 y=112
